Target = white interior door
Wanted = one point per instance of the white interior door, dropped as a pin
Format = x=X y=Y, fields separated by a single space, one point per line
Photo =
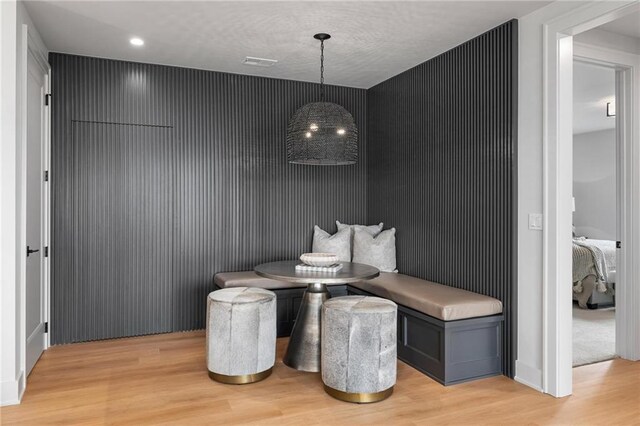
x=36 y=133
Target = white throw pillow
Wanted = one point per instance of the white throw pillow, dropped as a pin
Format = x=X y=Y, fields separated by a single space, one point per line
x=379 y=251
x=338 y=243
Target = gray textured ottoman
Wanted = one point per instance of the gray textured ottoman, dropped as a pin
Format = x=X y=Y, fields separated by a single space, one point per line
x=359 y=348
x=241 y=334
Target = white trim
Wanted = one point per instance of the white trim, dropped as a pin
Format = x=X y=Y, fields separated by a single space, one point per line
x=46 y=209
x=628 y=300
x=9 y=394
x=557 y=177
x=21 y=204
x=528 y=375
x=11 y=391
x=557 y=188
x=604 y=55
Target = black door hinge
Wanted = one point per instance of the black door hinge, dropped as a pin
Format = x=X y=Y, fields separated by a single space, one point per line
x=618 y=244
x=46 y=251
x=46 y=99
x=46 y=327
x=46 y=175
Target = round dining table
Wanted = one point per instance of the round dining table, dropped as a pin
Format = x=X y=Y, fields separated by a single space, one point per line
x=303 y=351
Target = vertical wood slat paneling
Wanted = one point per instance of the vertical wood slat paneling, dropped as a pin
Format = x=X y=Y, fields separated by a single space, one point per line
x=163 y=176
x=441 y=169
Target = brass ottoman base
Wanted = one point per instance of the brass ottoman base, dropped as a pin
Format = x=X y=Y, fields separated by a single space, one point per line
x=240 y=380
x=359 y=398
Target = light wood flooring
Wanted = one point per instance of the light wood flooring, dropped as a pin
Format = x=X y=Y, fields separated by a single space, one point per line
x=163 y=379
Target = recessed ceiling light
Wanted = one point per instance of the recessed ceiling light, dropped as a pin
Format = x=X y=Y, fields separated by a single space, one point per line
x=136 y=41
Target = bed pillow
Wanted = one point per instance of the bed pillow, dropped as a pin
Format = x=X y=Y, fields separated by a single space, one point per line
x=338 y=243
x=377 y=251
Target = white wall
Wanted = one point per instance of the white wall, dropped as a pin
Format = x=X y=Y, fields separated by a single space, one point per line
x=13 y=19
x=594 y=184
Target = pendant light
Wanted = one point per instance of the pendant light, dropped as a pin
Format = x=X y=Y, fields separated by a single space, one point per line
x=322 y=133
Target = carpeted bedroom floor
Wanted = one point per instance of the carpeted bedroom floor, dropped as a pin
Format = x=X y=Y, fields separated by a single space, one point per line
x=594 y=333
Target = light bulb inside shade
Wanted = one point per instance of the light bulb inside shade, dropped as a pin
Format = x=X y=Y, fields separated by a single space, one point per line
x=136 y=41
x=313 y=127
x=308 y=134
x=341 y=131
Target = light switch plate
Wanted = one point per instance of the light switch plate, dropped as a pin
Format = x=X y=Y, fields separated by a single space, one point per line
x=535 y=221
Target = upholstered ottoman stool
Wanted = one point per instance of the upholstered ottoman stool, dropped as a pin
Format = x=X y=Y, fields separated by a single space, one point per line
x=358 y=355
x=241 y=334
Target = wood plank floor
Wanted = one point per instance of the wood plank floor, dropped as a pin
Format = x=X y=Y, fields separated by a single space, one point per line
x=163 y=379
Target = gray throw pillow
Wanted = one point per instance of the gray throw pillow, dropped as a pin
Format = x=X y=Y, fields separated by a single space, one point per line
x=379 y=251
x=338 y=243
x=374 y=230
x=371 y=229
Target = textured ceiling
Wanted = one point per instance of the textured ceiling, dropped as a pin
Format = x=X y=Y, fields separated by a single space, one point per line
x=371 y=41
x=593 y=87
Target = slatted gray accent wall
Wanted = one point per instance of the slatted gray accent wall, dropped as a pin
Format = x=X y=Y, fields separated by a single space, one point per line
x=163 y=176
x=442 y=168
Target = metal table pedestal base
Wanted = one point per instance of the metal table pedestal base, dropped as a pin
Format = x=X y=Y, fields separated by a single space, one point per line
x=303 y=352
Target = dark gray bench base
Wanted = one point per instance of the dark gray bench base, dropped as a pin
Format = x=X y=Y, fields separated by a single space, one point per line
x=288 y=304
x=450 y=352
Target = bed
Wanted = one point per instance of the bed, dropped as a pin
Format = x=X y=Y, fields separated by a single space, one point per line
x=594 y=272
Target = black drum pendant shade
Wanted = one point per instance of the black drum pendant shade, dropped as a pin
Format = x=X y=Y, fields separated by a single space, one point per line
x=322 y=133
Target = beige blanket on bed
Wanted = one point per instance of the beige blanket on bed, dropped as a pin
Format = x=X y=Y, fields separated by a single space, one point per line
x=603 y=253
x=583 y=264
x=584 y=274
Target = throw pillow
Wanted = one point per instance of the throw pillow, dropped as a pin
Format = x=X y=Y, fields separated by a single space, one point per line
x=338 y=243
x=377 y=251
x=371 y=229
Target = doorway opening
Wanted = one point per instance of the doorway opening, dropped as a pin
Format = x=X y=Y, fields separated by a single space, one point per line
x=594 y=206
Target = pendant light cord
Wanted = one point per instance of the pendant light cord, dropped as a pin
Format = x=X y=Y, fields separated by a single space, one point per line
x=322 y=70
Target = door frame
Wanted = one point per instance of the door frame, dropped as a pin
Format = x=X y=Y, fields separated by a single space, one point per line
x=30 y=45
x=558 y=54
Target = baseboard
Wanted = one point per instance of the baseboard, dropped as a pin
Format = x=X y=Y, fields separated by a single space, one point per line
x=528 y=376
x=11 y=391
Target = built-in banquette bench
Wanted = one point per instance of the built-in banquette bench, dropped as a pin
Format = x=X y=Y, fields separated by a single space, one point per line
x=452 y=335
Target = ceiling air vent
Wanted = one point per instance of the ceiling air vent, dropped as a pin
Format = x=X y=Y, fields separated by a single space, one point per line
x=259 y=62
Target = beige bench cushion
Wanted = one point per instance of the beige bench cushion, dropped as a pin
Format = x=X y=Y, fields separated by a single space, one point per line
x=437 y=300
x=251 y=279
